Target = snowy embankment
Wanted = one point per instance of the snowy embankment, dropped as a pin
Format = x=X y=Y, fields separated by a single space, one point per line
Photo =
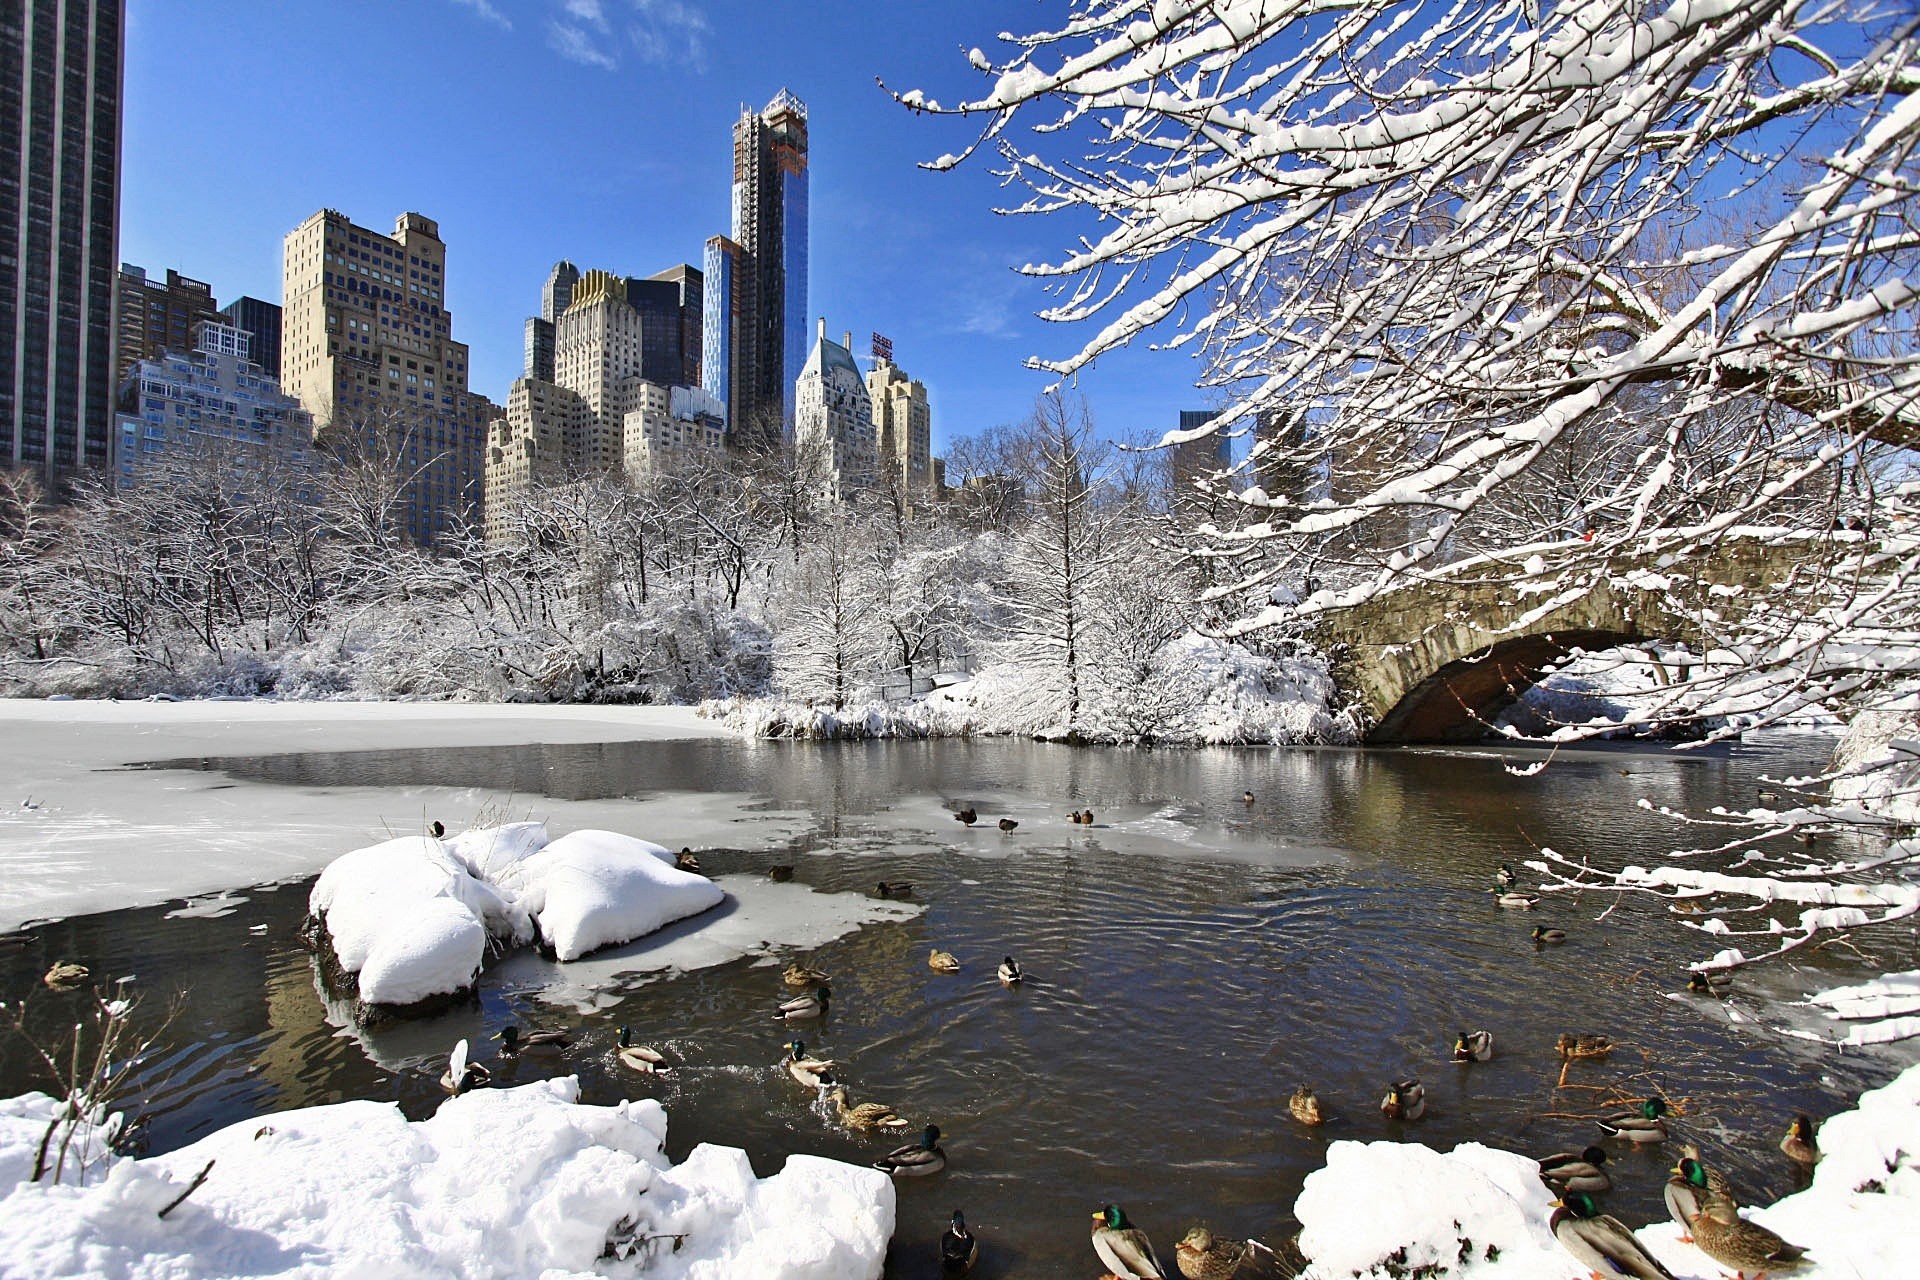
x=1392 y=1209
x=410 y=920
x=498 y=1183
x=1198 y=692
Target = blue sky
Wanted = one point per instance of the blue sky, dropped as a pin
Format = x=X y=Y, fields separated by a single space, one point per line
x=600 y=131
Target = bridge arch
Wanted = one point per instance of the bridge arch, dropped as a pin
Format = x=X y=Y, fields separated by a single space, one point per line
x=1440 y=659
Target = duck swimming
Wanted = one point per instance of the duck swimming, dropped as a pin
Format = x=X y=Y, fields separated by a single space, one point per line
x=1473 y=1046
x=958 y=1249
x=1545 y=937
x=1405 y=1100
x=1305 y=1107
x=1800 y=1144
x=1010 y=973
x=513 y=1040
x=812 y=1072
x=1514 y=899
x=864 y=1115
x=915 y=1159
x=942 y=961
x=462 y=1075
x=811 y=1005
x=638 y=1056
x=1642 y=1125
x=798 y=975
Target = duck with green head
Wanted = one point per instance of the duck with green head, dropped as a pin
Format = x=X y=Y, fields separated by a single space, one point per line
x=958 y=1248
x=1123 y=1247
x=809 y=1071
x=638 y=1057
x=513 y=1040
x=1514 y=899
x=1600 y=1241
x=1473 y=1046
x=1689 y=1187
x=1641 y=1125
x=916 y=1159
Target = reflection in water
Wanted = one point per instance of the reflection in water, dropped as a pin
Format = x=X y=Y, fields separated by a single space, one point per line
x=1190 y=961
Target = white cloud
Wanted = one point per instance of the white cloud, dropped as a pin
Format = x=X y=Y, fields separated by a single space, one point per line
x=576 y=45
x=670 y=31
x=586 y=11
x=486 y=10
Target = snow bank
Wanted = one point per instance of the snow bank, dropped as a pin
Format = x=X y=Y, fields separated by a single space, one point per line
x=498 y=1183
x=1200 y=691
x=1390 y=1209
x=410 y=919
x=593 y=889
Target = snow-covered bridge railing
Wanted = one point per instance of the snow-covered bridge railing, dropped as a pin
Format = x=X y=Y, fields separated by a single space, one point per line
x=1437 y=659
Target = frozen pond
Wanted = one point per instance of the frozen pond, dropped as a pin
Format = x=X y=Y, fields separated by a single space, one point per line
x=1191 y=959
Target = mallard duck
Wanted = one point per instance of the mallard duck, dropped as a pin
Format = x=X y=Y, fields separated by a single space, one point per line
x=1008 y=824
x=1305 y=1106
x=1545 y=937
x=811 y=1005
x=1800 y=1144
x=1601 y=1241
x=1730 y=1240
x=1009 y=972
x=436 y=829
x=462 y=1075
x=1086 y=818
x=1124 y=1247
x=798 y=975
x=967 y=816
x=1577 y=1171
x=864 y=1115
x=638 y=1056
x=942 y=961
x=1473 y=1046
x=1504 y=877
x=513 y=1040
x=1246 y=797
x=1405 y=1100
x=1202 y=1256
x=958 y=1249
x=66 y=975
x=1570 y=1045
x=1514 y=899
x=685 y=861
x=780 y=872
x=1712 y=982
x=895 y=889
x=1689 y=1187
x=916 y=1158
x=812 y=1072
x=1642 y=1125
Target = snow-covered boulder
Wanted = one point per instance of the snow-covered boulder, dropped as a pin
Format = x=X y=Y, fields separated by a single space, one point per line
x=593 y=889
x=405 y=922
x=498 y=1183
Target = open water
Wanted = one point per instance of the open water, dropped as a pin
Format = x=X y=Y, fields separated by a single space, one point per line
x=1192 y=959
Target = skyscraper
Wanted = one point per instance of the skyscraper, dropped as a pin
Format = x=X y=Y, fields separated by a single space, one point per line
x=723 y=303
x=770 y=226
x=156 y=317
x=60 y=79
x=903 y=426
x=367 y=346
x=555 y=295
x=835 y=434
x=261 y=321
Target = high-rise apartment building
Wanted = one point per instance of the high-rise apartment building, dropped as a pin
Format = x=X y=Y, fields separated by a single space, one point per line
x=723 y=315
x=260 y=320
x=670 y=305
x=214 y=399
x=616 y=400
x=555 y=296
x=60 y=81
x=157 y=317
x=367 y=346
x=1194 y=463
x=834 y=432
x=903 y=427
x=769 y=294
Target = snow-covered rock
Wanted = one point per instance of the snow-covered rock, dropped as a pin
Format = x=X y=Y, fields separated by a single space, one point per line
x=593 y=889
x=498 y=1183
x=1390 y=1209
x=409 y=920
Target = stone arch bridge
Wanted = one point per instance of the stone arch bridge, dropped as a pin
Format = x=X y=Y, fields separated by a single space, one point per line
x=1438 y=659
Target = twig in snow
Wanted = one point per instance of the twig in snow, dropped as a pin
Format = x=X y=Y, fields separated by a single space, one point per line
x=192 y=1187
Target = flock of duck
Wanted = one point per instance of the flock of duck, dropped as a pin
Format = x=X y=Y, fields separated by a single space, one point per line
x=1700 y=1199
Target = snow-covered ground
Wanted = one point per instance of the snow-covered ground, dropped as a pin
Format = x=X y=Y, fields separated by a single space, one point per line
x=1477 y=1211
x=497 y=1183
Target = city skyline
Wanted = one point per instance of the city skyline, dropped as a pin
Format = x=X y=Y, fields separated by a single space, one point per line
x=615 y=154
